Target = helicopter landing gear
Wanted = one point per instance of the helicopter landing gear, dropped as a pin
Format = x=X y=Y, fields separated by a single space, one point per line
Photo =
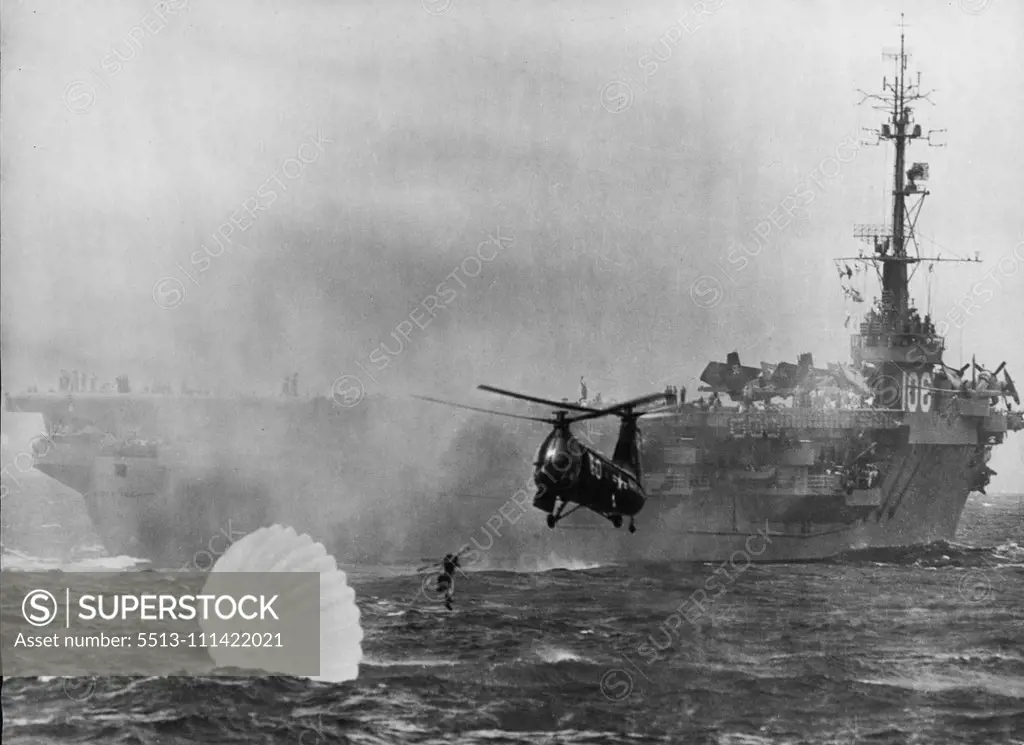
x=617 y=521
x=555 y=517
x=632 y=526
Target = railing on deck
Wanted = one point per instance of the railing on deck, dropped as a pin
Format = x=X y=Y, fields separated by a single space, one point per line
x=756 y=423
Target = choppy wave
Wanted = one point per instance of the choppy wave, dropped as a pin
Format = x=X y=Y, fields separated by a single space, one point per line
x=408 y=662
x=892 y=646
x=554 y=654
x=19 y=561
x=938 y=554
x=533 y=564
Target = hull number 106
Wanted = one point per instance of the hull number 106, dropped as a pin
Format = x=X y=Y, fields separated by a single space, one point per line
x=916 y=393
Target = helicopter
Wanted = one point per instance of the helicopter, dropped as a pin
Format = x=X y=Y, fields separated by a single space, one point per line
x=567 y=472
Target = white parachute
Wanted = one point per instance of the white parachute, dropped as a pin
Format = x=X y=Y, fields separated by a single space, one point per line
x=281 y=549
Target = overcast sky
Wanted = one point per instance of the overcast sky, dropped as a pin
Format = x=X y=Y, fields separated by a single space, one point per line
x=128 y=140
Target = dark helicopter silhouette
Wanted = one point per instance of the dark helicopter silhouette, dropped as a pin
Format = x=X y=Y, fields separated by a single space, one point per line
x=568 y=472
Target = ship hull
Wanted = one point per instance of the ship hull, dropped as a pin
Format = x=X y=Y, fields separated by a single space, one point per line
x=371 y=493
x=182 y=518
x=919 y=504
x=712 y=527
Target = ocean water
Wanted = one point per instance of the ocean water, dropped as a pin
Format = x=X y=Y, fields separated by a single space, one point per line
x=895 y=646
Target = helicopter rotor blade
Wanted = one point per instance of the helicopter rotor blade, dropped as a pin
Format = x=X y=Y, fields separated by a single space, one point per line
x=666 y=414
x=484 y=411
x=534 y=399
x=618 y=409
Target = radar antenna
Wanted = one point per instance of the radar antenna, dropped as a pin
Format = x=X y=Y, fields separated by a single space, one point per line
x=890 y=241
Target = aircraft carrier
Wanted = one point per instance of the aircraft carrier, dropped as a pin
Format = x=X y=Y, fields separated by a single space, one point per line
x=776 y=462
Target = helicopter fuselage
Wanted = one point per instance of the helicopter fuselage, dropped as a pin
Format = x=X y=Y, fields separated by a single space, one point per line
x=567 y=470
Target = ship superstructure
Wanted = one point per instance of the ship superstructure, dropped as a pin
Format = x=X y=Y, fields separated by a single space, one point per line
x=881 y=451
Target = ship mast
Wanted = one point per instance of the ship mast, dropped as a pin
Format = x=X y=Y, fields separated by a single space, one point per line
x=891 y=242
x=893 y=324
x=894 y=273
